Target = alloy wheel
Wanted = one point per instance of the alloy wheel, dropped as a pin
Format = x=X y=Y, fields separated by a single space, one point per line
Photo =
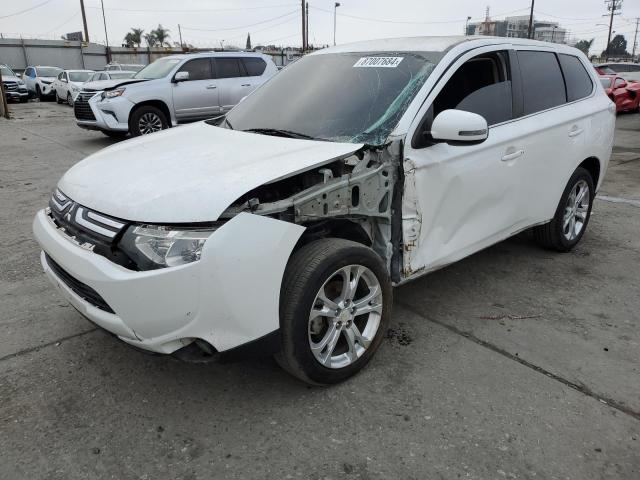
x=345 y=316
x=576 y=210
x=149 y=123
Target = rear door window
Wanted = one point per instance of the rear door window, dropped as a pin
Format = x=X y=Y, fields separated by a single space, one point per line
x=577 y=79
x=254 y=66
x=542 y=81
x=228 y=67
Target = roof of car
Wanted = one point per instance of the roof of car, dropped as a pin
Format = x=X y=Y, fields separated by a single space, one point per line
x=237 y=53
x=70 y=71
x=434 y=44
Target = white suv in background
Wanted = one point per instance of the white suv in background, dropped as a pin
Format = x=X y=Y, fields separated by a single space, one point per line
x=39 y=81
x=68 y=83
x=173 y=89
x=283 y=228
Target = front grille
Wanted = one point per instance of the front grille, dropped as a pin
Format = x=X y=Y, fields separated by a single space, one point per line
x=81 y=108
x=10 y=86
x=83 y=290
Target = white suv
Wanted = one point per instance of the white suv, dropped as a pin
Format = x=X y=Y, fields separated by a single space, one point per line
x=171 y=90
x=283 y=229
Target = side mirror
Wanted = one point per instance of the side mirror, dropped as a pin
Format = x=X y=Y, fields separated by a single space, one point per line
x=181 y=77
x=460 y=127
x=63 y=80
x=18 y=74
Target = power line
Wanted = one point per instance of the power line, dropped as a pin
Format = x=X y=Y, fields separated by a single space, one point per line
x=241 y=26
x=26 y=9
x=63 y=23
x=197 y=10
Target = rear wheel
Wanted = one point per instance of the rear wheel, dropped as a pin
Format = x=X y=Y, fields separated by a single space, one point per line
x=568 y=225
x=334 y=310
x=147 y=119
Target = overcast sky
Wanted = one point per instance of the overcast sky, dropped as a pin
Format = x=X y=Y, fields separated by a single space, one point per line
x=206 y=23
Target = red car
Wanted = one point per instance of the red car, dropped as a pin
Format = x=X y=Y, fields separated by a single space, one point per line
x=626 y=95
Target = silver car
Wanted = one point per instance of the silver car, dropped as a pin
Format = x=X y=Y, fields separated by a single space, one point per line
x=171 y=90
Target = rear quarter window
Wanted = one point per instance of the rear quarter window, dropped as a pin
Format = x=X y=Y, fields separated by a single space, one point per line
x=576 y=78
x=542 y=82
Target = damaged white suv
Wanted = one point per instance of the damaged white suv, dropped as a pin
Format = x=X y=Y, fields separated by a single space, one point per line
x=283 y=229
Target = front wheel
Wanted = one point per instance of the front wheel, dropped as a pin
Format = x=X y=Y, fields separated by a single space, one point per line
x=69 y=100
x=58 y=99
x=570 y=221
x=147 y=119
x=335 y=305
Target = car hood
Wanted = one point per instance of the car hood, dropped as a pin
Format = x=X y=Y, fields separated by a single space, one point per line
x=100 y=85
x=189 y=174
x=11 y=78
x=47 y=79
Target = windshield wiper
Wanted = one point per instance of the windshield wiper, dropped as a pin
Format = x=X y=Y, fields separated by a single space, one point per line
x=281 y=133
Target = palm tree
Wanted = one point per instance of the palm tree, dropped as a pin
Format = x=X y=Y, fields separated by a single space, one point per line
x=129 y=40
x=136 y=35
x=162 y=35
x=151 y=39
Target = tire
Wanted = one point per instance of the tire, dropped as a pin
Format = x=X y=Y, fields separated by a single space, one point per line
x=39 y=93
x=58 y=99
x=114 y=134
x=69 y=100
x=24 y=99
x=318 y=267
x=555 y=235
x=152 y=115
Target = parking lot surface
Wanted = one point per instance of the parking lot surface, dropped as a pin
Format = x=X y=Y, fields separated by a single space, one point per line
x=514 y=363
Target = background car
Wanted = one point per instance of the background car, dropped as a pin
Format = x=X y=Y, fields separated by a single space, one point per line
x=626 y=95
x=135 y=67
x=68 y=83
x=111 y=75
x=627 y=70
x=14 y=87
x=39 y=80
x=172 y=90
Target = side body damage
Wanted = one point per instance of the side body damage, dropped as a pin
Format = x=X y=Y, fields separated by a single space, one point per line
x=357 y=197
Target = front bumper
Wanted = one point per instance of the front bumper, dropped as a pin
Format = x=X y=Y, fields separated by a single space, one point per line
x=229 y=298
x=109 y=114
x=17 y=94
x=47 y=89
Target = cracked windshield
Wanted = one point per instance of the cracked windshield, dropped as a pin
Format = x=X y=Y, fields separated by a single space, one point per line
x=357 y=97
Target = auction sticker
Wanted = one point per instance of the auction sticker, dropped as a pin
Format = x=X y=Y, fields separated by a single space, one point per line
x=378 y=62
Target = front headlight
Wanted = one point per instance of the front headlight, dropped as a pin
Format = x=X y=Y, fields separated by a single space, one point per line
x=112 y=93
x=152 y=246
x=21 y=83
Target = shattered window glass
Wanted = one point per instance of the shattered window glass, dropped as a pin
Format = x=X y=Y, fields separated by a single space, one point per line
x=349 y=97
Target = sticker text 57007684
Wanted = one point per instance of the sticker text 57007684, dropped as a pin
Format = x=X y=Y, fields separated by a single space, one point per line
x=384 y=62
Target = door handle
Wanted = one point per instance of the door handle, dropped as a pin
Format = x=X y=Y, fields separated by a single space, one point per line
x=512 y=156
x=575 y=132
x=211 y=87
x=245 y=85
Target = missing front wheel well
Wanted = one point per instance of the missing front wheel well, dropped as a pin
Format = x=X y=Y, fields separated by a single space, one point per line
x=335 y=228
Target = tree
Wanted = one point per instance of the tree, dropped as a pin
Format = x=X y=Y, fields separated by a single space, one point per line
x=128 y=40
x=136 y=35
x=617 y=47
x=248 y=41
x=151 y=39
x=584 y=46
x=162 y=35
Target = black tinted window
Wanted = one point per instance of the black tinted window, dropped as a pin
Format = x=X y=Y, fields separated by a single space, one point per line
x=228 y=68
x=576 y=77
x=254 y=66
x=482 y=85
x=542 y=81
x=199 y=69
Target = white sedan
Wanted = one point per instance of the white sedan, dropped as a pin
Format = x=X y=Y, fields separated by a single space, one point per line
x=68 y=83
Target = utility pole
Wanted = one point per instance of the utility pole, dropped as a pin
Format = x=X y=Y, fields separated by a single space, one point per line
x=304 y=28
x=180 y=34
x=530 y=31
x=106 y=37
x=635 y=40
x=307 y=23
x=612 y=5
x=335 y=8
x=4 y=108
x=84 y=22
